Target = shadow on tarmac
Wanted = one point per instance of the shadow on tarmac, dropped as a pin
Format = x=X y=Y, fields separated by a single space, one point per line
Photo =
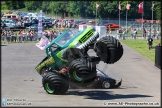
x=3 y=45
x=103 y=95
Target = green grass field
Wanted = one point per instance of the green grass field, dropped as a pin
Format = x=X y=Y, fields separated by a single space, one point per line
x=142 y=47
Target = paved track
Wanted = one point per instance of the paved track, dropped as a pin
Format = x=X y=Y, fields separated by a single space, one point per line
x=141 y=80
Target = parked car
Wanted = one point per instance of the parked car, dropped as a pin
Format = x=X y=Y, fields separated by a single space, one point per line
x=9 y=22
x=22 y=14
x=91 y=23
x=14 y=27
x=77 y=23
x=111 y=25
x=32 y=22
x=103 y=23
x=33 y=15
x=34 y=27
x=12 y=16
x=46 y=22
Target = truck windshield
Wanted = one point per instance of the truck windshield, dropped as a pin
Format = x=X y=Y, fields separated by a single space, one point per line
x=67 y=37
x=55 y=48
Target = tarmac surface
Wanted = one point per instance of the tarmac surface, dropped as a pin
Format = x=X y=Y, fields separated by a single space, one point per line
x=21 y=84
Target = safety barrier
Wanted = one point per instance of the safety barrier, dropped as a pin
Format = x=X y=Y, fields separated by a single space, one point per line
x=21 y=39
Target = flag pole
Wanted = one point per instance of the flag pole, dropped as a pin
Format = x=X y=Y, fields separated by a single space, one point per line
x=142 y=19
x=142 y=14
x=126 y=17
x=96 y=16
x=152 y=15
x=40 y=24
x=152 y=11
x=119 y=15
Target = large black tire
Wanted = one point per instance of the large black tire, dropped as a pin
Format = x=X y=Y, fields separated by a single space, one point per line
x=53 y=83
x=108 y=49
x=82 y=72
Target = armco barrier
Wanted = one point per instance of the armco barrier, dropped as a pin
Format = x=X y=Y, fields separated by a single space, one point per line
x=158 y=56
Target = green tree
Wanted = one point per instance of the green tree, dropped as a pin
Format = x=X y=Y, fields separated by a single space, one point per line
x=157 y=10
x=20 y=4
x=107 y=9
x=45 y=6
x=12 y=5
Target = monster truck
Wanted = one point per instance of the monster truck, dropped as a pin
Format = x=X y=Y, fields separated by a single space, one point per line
x=68 y=60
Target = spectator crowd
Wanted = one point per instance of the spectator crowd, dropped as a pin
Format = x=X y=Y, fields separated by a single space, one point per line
x=122 y=33
x=22 y=36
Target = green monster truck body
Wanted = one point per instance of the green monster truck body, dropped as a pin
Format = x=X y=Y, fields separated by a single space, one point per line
x=54 y=51
x=70 y=50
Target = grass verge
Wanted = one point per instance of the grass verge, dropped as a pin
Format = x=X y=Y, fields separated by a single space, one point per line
x=142 y=47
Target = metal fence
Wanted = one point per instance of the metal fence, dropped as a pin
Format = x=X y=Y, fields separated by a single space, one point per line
x=129 y=24
x=27 y=39
x=23 y=39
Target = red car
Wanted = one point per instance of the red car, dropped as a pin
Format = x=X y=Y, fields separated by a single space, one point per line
x=111 y=25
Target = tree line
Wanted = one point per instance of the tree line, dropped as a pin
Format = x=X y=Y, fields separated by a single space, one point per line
x=87 y=9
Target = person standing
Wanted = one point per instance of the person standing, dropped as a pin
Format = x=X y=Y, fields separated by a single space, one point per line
x=107 y=28
x=135 y=33
x=19 y=36
x=144 y=33
x=110 y=31
x=23 y=36
x=157 y=34
x=14 y=37
x=150 y=40
x=148 y=34
x=48 y=35
x=8 y=37
x=132 y=32
x=3 y=36
x=55 y=34
x=11 y=35
x=31 y=36
x=153 y=34
x=117 y=32
x=52 y=35
x=28 y=36
x=120 y=33
x=124 y=34
x=69 y=23
x=56 y=24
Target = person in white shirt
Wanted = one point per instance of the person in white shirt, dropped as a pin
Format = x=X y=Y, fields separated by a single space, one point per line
x=23 y=36
x=157 y=34
x=153 y=34
x=124 y=33
x=132 y=32
x=117 y=32
x=135 y=33
x=148 y=33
